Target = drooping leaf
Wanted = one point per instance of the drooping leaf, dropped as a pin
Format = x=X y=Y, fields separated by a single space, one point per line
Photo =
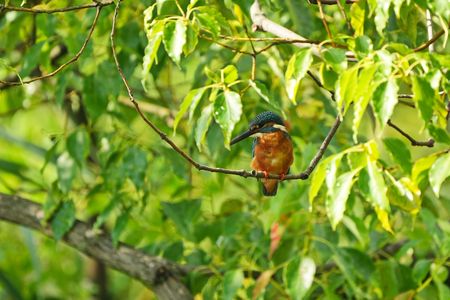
x=377 y=186
x=191 y=39
x=384 y=100
x=121 y=223
x=63 y=219
x=189 y=102
x=439 y=172
x=381 y=14
x=357 y=12
x=400 y=153
x=337 y=197
x=318 y=177
x=424 y=97
x=209 y=23
x=345 y=89
x=299 y=276
x=227 y=112
x=297 y=67
x=78 y=145
x=203 y=125
x=229 y=74
x=154 y=36
x=232 y=281
x=420 y=166
x=174 y=39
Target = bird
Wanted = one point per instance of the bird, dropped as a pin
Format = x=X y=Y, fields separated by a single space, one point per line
x=272 y=150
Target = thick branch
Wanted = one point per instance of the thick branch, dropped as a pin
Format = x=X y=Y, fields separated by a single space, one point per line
x=160 y=275
x=55 y=10
x=4 y=84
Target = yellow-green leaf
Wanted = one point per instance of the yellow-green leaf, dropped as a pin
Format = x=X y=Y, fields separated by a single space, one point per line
x=174 y=39
x=439 y=172
x=296 y=70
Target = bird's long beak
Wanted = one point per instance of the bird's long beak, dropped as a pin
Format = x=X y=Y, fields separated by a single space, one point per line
x=242 y=136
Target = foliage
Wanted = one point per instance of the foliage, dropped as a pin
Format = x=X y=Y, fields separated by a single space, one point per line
x=371 y=222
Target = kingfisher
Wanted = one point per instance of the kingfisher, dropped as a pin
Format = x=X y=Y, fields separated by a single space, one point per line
x=272 y=149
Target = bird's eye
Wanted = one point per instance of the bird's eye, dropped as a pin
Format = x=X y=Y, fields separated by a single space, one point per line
x=254 y=127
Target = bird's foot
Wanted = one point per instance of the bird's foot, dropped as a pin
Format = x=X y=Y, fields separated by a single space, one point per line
x=282 y=176
x=266 y=174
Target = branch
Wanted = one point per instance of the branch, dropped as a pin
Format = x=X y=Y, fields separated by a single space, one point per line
x=430 y=41
x=414 y=142
x=331 y=2
x=158 y=274
x=189 y=159
x=4 y=84
x=56 y=10
x=261 y=22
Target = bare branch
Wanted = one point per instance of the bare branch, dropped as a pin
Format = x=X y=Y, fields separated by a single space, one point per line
x=158 y=274
x=430 y=41
x=4 y=84
x=429 y=143
x=331 y=2
x=55 y=10
x=325 y=24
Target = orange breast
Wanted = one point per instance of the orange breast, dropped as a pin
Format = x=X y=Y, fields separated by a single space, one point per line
x=273 y=153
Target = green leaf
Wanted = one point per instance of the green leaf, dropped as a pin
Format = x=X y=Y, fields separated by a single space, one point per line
x=78 y=145
x=345 y=89
x=439 y=172
x=297 y=67
x=227 y=112
x=419 y=168
x=424 y=97
x=121 y=223
x=384 y=100
x=260 y=89
x=363 y=46
x=357 y=12
x=203 y=125
x=232 y=281
x=31 y=59
x=400 y=153
x=209 y=23
x=318 y=177
x=154 y=36
x=190 y=101
x=299 y=276
x=381 y=15
x=420 y=270
x=191 y=39
x=337 y=197
x=336 y=58
x=183 y=214
x=229 y=74
x=364 y=91
x=174 y=39
x=134 y=166
x=63 y=219
x=377 y=186
x=66 y=168
x=404 y=194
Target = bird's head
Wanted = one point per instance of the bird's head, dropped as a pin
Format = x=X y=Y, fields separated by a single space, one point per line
x=264 y=122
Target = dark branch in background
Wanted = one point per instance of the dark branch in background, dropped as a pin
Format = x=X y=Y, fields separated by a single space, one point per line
x=186 y=156
x=429 y=143
x=162 y=276
x=55 y=10
x=4 y=84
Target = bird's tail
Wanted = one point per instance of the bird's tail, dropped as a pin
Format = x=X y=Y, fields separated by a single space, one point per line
x=269 y=187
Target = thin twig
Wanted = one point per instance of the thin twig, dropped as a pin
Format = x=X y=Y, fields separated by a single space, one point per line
x=188 y=158
x=63 y=66
x=325 y=24
x=225 y=45
x=430 y=41
x=55 y=10
x=414 y=142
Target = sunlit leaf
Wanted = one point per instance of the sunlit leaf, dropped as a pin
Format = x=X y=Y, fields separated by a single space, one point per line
x=357 y=12
x=227 y=112
x=191 y=39
x=299 y=276
x=439 y=172
x=203 y=125
x=337 y=197
x=384 y=100
x=424 y=97
x=154 y=36
x=174 y=39
x=345 y=89
x=66 y=168
x=232 y=281
x=297 y=67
